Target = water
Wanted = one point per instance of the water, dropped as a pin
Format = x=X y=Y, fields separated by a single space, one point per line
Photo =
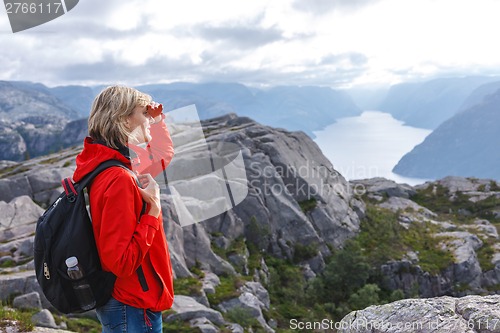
x=369 y=145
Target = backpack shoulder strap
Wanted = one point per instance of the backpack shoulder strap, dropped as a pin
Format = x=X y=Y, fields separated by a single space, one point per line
x=85 y=181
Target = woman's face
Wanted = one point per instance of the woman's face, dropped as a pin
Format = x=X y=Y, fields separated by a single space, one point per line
x=138 y=123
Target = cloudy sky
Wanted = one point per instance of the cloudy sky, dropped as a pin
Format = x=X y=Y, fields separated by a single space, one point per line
x=336 y=43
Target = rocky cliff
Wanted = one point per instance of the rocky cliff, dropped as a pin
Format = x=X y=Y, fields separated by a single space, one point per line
x=430 y=103
x=303 y=238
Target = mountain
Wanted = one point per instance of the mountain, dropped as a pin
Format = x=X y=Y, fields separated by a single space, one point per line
x=78 y=98
x=465 y=145
x=428 y=104
x=291 y=107
x=368 y=98
x=479 y=94
x=32 y=103
x=34 y=116
x=294 y=108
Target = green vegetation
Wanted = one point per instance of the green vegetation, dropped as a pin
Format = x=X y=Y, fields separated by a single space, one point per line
x=179 y=326
x=189 y=286
x=308 y=205
x=227 y=289
x=83 y=325
x=8 y=263
x=16 y=318
x=352 y=279
x=485 y=255
x=382 y=238
x=13 y=170
x=304 y=252
x=460 y=208
x=243 y=317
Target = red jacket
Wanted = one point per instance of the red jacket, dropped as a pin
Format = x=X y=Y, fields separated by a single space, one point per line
x=124 y=242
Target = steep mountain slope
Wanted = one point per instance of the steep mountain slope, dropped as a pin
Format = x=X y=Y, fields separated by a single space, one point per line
x=479 y=94
x=32 y=103
x=428 y=104
x=465 y=145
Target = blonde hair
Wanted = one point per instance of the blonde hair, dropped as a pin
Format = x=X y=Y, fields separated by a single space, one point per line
x=107 y=120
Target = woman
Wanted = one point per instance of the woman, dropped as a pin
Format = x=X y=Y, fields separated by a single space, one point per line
x=130 y=239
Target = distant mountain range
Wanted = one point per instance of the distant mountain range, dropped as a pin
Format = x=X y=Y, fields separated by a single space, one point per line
x=428 y=104
x=468 y=144
x=36 y=119
x=33 y=117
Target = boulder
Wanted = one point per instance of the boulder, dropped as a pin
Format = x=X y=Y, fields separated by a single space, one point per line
x=204 y=325
x=44 y=318
x=383 y=187
x=186 y=308
x=258 y=290
x=396 y=204
x=248 y=303
x=468 y=314
x=28 y=301
x=18 y=218
x=210 y=282
x=466 y=268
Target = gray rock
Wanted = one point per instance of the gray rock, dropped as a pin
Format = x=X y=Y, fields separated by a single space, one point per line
x=210 y=282
x=382 y=186
x=258 y=290
x=484 y=228
x=187 y=308
x=202 y=298
x=250 y=304
x=20 y=283
x=44 y=318
x=205 y=325
x=396 y=204
x=18 y=218
x=410 y=278
x=436 y=315
x=235 y=328
x=198 y=248
x=20 y=248
x=28 y=301
x=39 y=183
x=239 y=261
x=50 y=330
x=307 y=272
x=466 y=269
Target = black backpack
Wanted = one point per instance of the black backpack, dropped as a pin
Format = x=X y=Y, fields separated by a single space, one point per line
x=63 y=231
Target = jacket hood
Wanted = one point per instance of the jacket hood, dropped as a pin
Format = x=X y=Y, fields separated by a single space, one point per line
x=93 y=154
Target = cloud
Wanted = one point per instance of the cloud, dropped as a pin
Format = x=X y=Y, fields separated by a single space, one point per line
x=213 y=67
x=321 y=7
x=243 y=37
x=353 y=58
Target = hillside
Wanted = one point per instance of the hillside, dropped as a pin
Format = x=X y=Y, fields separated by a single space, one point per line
x=465 y=145
x=304 y=244
x=428 y=104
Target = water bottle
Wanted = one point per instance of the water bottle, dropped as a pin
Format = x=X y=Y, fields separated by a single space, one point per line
x=81 y=287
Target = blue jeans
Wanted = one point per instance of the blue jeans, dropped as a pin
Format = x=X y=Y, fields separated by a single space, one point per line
x=116 y=317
